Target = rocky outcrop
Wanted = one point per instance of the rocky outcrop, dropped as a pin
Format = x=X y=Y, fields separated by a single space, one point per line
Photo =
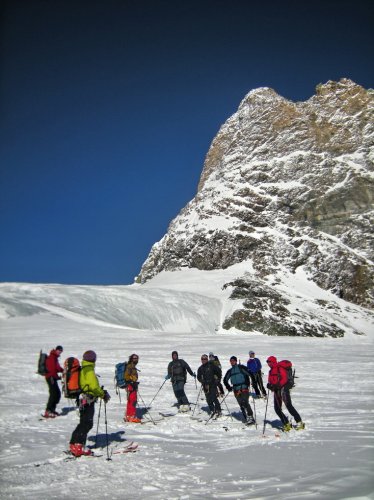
x=284 y=185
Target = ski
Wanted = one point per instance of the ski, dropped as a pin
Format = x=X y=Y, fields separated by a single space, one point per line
x=130 y=448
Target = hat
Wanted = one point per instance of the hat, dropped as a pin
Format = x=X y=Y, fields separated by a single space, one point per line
x=234 y=358
x=89 y=356
x=252 y=352
x=272 y=360
x=59 y=348
x=211 y=354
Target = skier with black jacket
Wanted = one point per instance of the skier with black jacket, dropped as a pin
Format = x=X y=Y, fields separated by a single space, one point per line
x=239 y=378
x=177 y=373
x=208 y=375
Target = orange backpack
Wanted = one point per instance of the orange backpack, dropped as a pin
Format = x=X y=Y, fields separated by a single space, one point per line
x=70 y=378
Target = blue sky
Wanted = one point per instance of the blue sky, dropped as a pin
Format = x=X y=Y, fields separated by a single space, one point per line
x=108 y=109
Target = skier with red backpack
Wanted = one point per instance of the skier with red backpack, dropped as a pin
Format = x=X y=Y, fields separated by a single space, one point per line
x=280 y=383
x=53 y=368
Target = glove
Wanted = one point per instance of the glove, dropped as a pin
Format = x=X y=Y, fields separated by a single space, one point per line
x=194 y=375
x=229 y=388
x=106 y=396
x=167 y=377
x=270 y=386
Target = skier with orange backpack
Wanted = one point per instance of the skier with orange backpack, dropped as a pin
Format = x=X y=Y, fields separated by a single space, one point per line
x=90 y=391
x=280 y=381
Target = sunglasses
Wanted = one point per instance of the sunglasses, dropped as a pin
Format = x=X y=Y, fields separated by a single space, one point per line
x=204 y=359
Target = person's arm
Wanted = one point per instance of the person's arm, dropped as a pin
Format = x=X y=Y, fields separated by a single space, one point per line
x=226 y=380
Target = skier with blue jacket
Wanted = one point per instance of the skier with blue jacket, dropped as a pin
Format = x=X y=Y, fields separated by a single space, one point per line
x=239 y=378
x=254 y=367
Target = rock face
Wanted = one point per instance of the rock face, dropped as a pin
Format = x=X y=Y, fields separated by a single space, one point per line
x=284 y=185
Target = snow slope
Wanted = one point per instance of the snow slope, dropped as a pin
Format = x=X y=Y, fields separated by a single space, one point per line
x=180 y=458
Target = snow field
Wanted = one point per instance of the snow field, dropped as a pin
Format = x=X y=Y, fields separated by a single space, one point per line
x=182 y=458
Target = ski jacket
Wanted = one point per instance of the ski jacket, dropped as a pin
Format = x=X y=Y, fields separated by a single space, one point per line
x=254 y=365
x=238 y=376
x=88 y=380
x=131 y=373
x=209 y=373
x=52 y=365
x=277 y=377
x=177 y=370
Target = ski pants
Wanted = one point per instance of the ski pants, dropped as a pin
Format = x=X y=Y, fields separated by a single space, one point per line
x=283 y=395
x=211 y=395
x=132 y=399
x=54 y=394
x=242 y=397
x=259 y=383
x=86 y=420
x=178 y=388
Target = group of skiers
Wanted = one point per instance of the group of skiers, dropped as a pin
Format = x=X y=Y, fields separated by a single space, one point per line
x=238 y=379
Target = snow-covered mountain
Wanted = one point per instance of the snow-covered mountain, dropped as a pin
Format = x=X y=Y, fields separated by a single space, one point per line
x=286 y=188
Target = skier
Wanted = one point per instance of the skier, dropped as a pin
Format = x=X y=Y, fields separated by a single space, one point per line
x=239 y=377
x=277 y=383
x=216 y=361
x=131 y=379
x=254 y=367
x=53 y=368
x=177 y=372
x=208 y=374
x=91 y=390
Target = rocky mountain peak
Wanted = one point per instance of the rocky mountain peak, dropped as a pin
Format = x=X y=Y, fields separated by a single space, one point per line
x=285 y=185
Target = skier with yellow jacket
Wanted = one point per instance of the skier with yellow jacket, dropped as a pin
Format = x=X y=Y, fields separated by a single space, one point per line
x=91 y=390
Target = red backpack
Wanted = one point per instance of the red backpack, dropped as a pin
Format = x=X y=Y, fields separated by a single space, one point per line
x=287 y=366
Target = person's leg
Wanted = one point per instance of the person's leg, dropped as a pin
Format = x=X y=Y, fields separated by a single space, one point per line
x=260 y=382
x=278 y=407
x=179 y=392
x=86 y=418
x=254 y=384
x=131 y=402
x=54 y=394
x=286 y=396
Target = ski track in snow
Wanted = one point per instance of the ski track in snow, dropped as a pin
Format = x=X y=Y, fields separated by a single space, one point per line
x=180 y=457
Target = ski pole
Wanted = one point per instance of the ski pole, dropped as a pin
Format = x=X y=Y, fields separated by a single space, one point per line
x=224 y=401
x=193 y=413
x=147 y=411
x=254 y=407
x=106 y=432
x=154 y=397
x=266 y=410
x=98 y=420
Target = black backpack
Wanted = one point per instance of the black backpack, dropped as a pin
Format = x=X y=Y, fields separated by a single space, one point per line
x=42 y=370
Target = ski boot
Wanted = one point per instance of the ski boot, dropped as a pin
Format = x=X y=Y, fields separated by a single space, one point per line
x=300 y=426
x=250 y=421
x=77 y=450
x=133 y=420
x=49 y=414
x=287 y=427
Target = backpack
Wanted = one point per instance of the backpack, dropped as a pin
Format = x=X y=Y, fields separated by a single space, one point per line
x=70 y=378
x=42 y=370
x=287 y=365
x=119 y=375
x=237 y=377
